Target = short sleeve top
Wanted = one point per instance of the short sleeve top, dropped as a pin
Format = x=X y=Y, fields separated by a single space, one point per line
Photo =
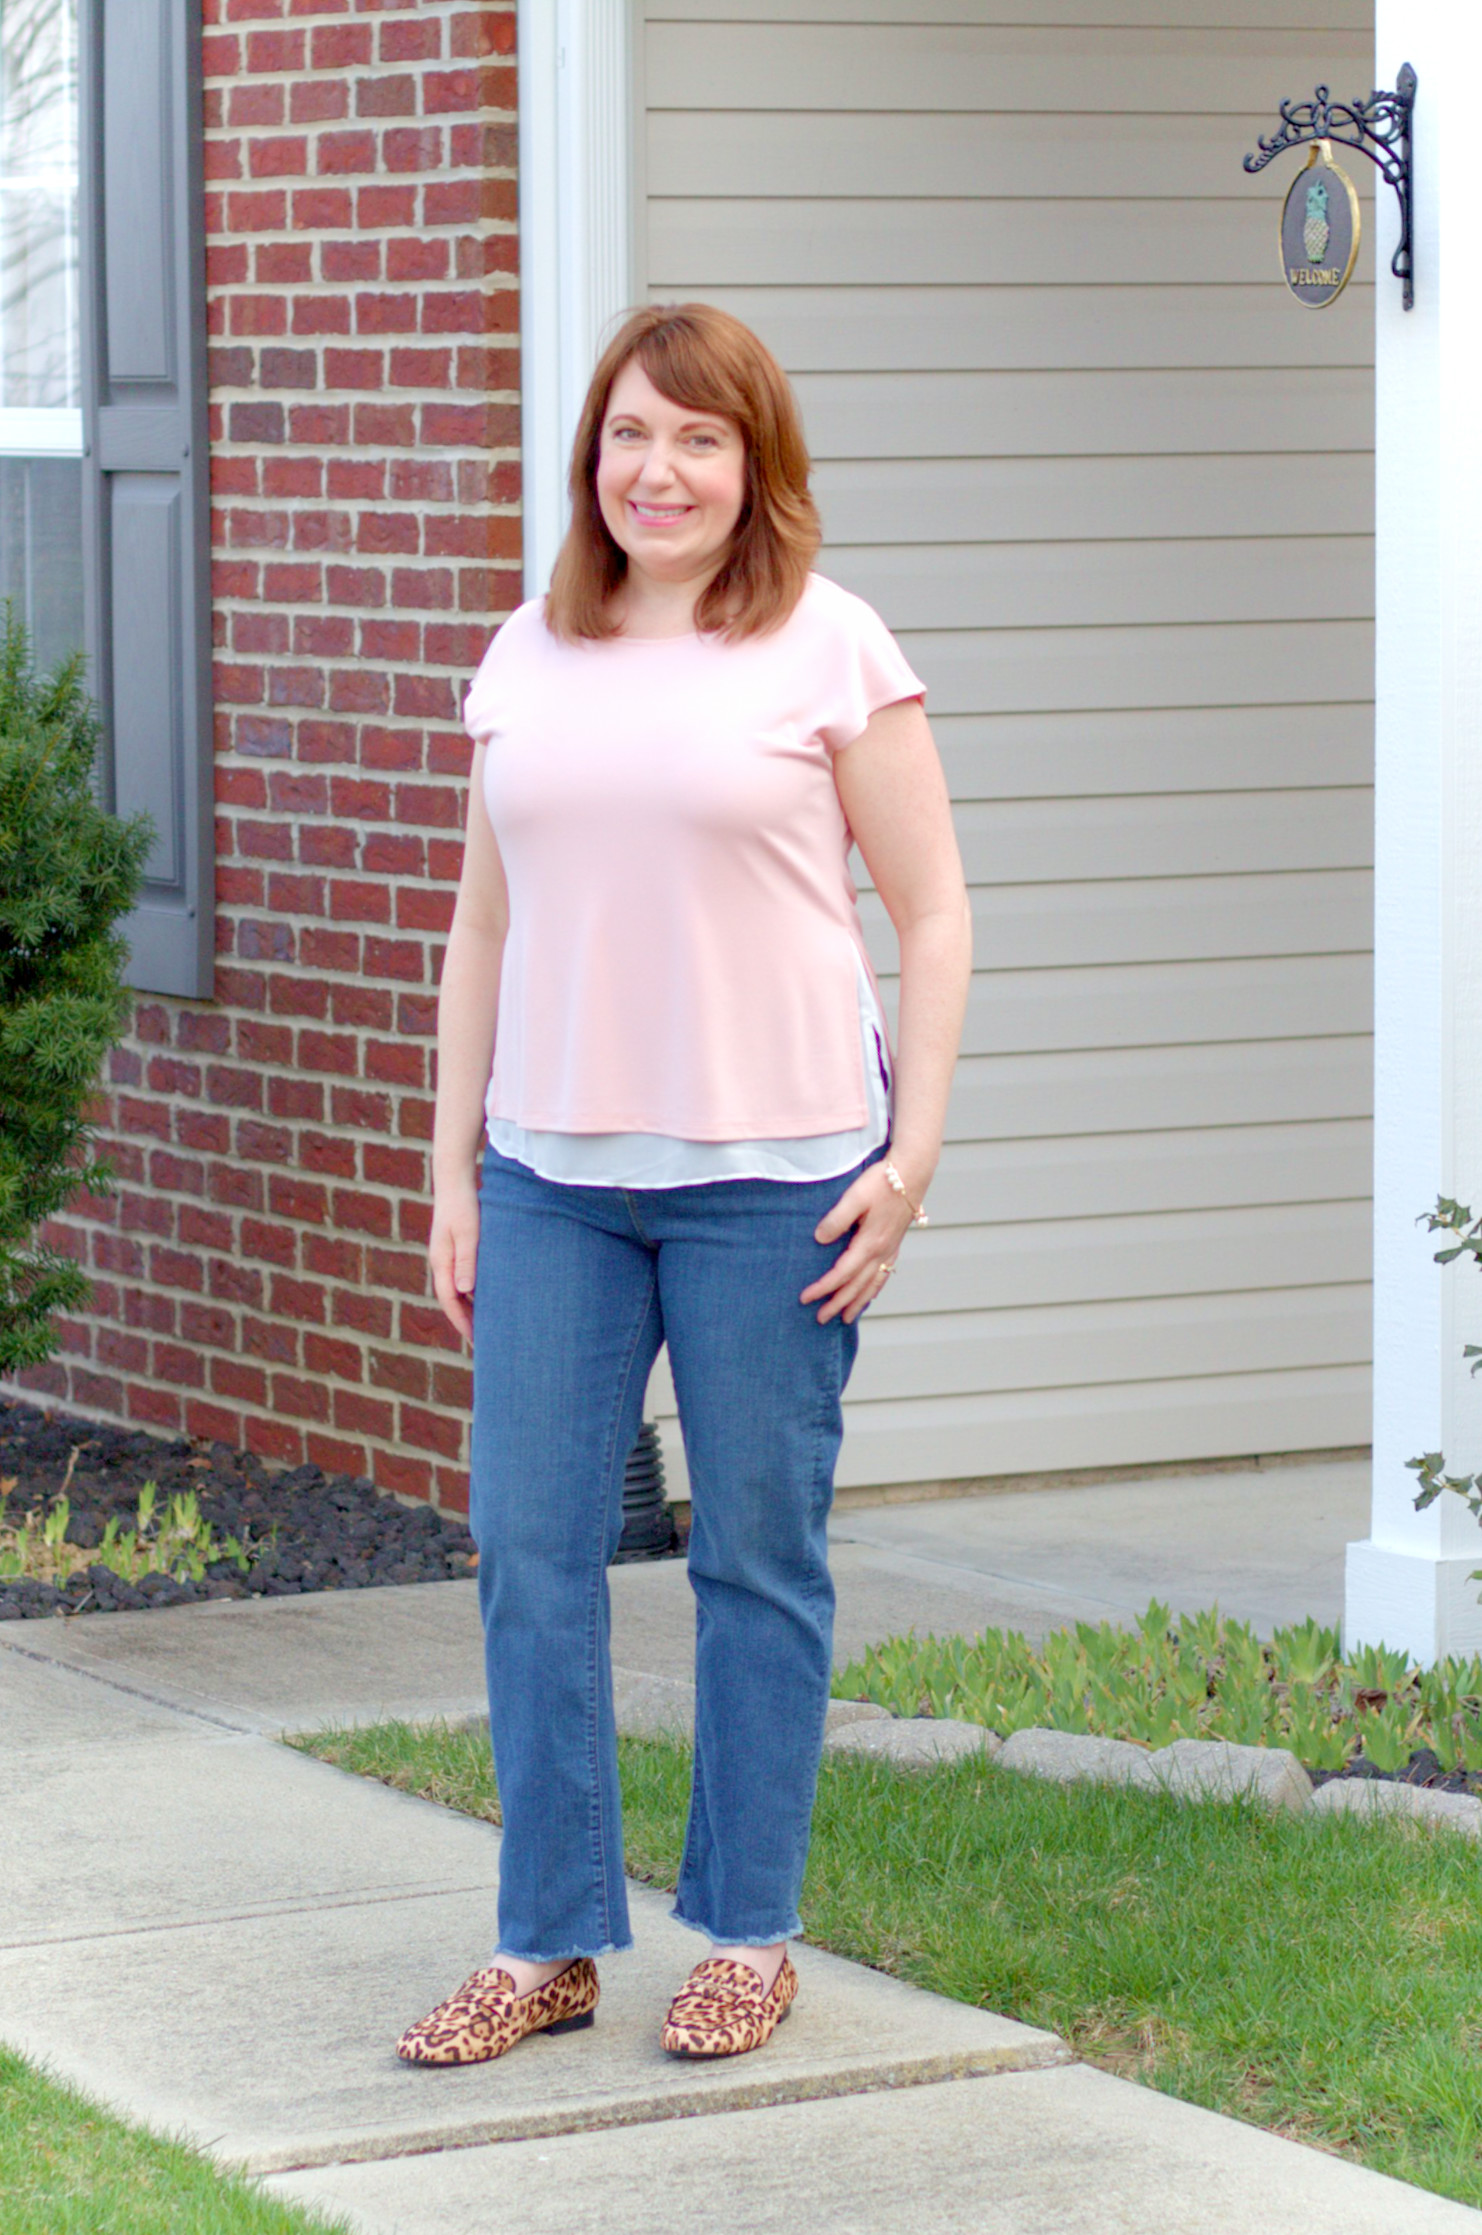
x=684 y=940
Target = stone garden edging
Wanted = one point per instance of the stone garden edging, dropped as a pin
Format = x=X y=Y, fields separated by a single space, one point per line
x=1191 y=1768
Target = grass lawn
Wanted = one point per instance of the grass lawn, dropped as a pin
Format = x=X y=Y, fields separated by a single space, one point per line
x=1320 y=1978
x=68 y=2168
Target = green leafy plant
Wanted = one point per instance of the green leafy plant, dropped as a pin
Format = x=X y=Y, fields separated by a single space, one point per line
x=175 y=1540
x=1200 y=1676
x=1450 y=1217
x=68 y=872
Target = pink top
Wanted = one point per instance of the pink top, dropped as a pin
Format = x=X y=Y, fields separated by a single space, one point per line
x=683 y=928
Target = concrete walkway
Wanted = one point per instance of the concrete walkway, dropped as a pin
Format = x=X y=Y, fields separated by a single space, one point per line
x=223 y=1938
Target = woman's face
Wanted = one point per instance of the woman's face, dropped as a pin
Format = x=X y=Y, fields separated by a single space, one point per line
x=670 y=481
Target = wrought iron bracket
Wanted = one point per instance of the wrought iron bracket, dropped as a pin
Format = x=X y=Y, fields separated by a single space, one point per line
x=1378 y=128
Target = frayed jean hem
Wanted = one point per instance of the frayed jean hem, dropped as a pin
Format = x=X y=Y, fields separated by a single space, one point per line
x=739 y=1939
x=565 y=1955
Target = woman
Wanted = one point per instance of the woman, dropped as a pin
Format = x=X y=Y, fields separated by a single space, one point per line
x=688 y=1104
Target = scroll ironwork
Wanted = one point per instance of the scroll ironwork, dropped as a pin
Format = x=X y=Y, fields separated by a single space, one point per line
x=1378 y=128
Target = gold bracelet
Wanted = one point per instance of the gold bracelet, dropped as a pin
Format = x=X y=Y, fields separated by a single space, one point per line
x=917 y=1210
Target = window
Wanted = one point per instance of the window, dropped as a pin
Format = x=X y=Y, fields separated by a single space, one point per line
x=41 y=436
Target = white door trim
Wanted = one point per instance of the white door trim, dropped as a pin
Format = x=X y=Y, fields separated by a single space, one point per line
x=576 y=70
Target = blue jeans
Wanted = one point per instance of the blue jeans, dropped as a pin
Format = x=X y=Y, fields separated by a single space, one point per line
x=576 y=1289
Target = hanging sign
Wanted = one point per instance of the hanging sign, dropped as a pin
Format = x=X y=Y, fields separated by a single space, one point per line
x=1320 y=227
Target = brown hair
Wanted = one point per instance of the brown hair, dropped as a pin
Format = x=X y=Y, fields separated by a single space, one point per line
x=708 y=361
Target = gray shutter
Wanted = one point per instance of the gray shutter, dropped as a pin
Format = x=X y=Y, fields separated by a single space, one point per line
x=146 y=523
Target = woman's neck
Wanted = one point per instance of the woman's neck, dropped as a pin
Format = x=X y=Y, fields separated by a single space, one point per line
x=650 y=606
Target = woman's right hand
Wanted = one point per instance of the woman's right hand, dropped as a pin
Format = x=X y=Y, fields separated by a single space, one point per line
x=453 y=1250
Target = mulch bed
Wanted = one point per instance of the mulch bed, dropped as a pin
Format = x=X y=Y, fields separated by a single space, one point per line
x=305 y=1530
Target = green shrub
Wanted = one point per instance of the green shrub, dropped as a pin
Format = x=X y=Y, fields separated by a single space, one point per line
x=1203 y=1676
x=68 y=872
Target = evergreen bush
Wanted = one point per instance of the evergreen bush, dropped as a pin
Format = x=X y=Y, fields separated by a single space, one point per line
x=68 y=872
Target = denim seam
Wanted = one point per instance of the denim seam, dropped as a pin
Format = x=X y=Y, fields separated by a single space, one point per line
x=599 y=1577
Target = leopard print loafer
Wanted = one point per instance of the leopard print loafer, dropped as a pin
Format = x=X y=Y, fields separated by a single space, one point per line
x=486 y=2017
x=722 y=2010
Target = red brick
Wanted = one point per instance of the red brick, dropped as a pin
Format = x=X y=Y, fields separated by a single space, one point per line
x=432 y=1431
x=275 y=50
x=417 y=148
x=319 y=423
x=367 y=1416
x=175 y=1268
x=386 y=207
x=409 y=1376
x=299 y=997
x=416 y=40
x=422 y=480
x=421 y=368
x=322 y=209
x=222 y=160
x=300 y=1400
x=448 y=92
x=281 y=157
x=226 y=266
x=321 y=314
x=344 y=153
x=349 y=261
x=329 y=1154
x=385 y=854
x=292 y=477
x=380 y=532
x=387 y=96
x=258 y=314
x=354 y=902
x=357 y=478
x=283 y=263
x=275 y=1439
x=264 y=735
x=212 y=1423
x=325 y=636
x=257 y=213
x=327 y=847
x=324 y=1355
x=263 y=633
x=417 y=258
x=327 y=1051
x=391 y=640
x=486 y=146
x=336 y=46
x=482 y=31
x=295 y=1098
x=386 y=424
x=404 y=1477
x=335 y=1257
x=155 y=1407
x=318 y=102
x=424 y=588
x=406 y=959
x=354 y=586
x=335 y=1455
x=386 y=314
x=221 y=54
x=354 y=368
x=367 y=1008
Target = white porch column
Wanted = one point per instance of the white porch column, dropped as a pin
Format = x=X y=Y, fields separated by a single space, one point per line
x=1407 y=1583
x=576 y=235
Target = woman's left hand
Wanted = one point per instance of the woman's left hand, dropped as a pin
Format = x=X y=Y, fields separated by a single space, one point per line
x=880 y=1219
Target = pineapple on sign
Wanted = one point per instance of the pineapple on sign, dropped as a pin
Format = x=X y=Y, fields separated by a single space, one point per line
x=1320 y=227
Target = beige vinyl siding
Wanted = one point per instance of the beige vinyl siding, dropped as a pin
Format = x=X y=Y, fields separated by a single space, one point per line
x=1114 y=491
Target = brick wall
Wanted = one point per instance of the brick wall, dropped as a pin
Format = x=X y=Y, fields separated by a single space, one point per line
x=260 y=1274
